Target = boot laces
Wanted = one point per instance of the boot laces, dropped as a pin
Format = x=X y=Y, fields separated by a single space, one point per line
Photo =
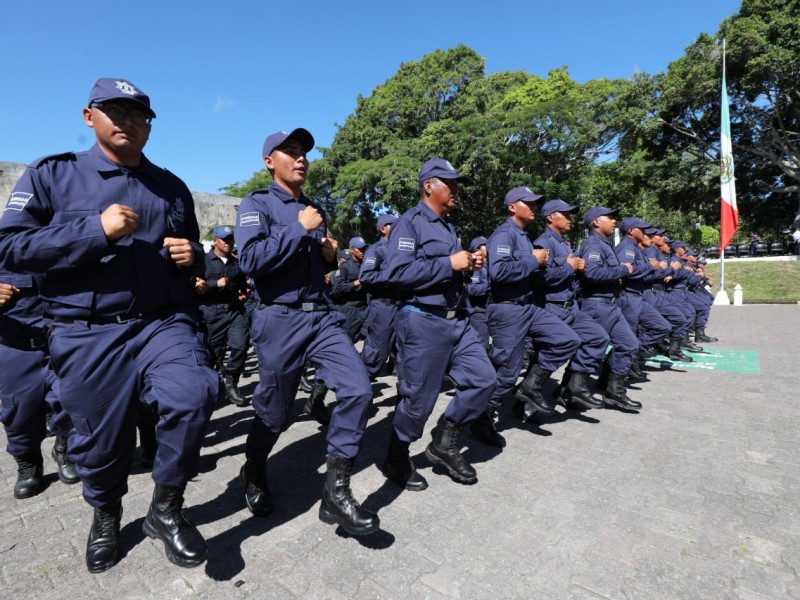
x=26 y=469
x=105 y=521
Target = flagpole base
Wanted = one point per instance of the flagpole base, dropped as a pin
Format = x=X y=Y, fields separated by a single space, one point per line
x=722 y=298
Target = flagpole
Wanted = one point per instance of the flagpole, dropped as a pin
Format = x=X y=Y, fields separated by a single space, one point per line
x=727 y=185
x=722 y=250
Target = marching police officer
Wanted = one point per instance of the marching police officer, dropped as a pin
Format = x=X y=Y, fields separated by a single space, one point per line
x=117 y=240
x=283 y=247
x=478 y=293
x=427 y=267
x=349 y=295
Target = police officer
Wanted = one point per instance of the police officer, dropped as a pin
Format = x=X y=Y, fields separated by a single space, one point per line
x=557 y=293
x=478 y=293
x=283 y=247
x=382 y=307
x=700 y=298
x=222 y=309
x=643 y=319
x=600 y=291
x=348 y=294
x=514 y=269
x=28 y=386
x=427 y=267
x=683 y=278
x=117 y=239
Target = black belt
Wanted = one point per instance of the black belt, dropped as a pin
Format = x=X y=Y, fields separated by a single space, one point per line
x=516 y=302
x=100 y=320
x=565 y=304
x=634 y=292
x=605 y=299
x=34 y=343
x=479 y=301
x=658 y=287
x=302 y=306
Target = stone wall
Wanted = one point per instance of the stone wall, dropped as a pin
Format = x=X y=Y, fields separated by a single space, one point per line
x=212 y=209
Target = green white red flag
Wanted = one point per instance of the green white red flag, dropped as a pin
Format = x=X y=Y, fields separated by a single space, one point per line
x=729 y=221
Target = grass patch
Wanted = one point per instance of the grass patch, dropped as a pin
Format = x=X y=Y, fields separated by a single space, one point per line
x=762 y=282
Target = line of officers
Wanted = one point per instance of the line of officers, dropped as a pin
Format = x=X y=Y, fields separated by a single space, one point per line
x=103 y=282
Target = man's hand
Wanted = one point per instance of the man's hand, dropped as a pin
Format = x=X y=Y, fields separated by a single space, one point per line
x=200 y=286
x=310 y=218
x=180 y=250
x=7 y=292
x=541 y=255
x=118 y=221
x=330 y=247
x=654 y=263
x=629 y=266
x=478 y=260
x=577 y=264
x=222 y=282
x=462 y=261
x=675 y=264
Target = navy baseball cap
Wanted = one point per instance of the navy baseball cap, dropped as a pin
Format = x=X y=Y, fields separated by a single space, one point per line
x=521 y=193
x=223 y=231
x=692 y=253
x=598 y=211
x=110 y=88
x=477 y=243
x=629 y=223
x=556 y=205
x=343 y=254
x=442 y=169
x=385 y=220
x=276 y=139
x=651 y=231
x=677 y=244
x=358 y=242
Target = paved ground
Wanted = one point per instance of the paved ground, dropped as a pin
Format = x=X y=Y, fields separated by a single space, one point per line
x=695 y=497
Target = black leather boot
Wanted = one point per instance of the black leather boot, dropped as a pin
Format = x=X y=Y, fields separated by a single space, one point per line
x=148 y=444
x=578 y=388
x=102 y=547
x=66 y=468
x=30 y=476
x=530 y=391
x=305 y=385
x=232 y=390
x=399 y=468
x=338 y=507
x=444 y=450
x=685 y=343
x=484 y=430
x=602 y=379
x=256 y=490
x=636 y=374
x=616 y=395
x=315 y=405
x=165 y=521
x=700 y=336
x=675 y=352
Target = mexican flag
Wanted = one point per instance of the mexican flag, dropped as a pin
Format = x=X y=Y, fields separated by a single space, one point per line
x=729 y=220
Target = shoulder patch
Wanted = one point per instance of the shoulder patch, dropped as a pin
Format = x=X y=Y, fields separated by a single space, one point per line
x=249 y=219
x=405 y=244
x=18 y=200
x=593 y=256
x=370 y=260
x=503 y=250
x=630 y=254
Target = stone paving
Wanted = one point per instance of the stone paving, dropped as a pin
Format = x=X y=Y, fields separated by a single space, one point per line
x=697 y=496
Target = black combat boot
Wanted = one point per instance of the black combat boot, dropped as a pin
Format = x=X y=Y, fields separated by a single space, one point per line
x=315 y=405
x=444 y=450
x=577 y=388
x=616 y=395
x=256 y=490
x=700 y=336
x=636 y=374
x=305 y=385
x=102 y=547
x=530 y=393
x=692 y=347
x=165 y=521
x=148 y=444
x=399 y=468
x=338 y=507
x=66 y=468
x=483 y=428
x=675 y=352
x=232 y=390
x=30 y=475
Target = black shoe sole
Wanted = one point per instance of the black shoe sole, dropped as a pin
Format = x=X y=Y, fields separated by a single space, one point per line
x=150 y=531
x=438 y=461
x=624 y=407
x=403 y=484
x=327 y=517
x=530 y=402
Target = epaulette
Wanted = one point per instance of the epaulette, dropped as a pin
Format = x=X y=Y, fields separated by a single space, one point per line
x=63 y=156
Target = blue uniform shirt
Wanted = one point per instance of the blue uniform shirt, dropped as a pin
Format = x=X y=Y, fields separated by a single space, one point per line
x=343 y=287
x=418 y=261
x=658 y=275
x=628 y=251
x=559 y=282
x=21 y=317
x=52 y=225
x=373 y=274
x=284 y=260
x=512 y=266
x=603 y=269
x=478 y=285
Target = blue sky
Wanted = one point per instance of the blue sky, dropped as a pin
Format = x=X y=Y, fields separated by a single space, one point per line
x=223 y=75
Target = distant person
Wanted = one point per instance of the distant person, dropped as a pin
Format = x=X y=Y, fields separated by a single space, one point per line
x=795 y=240
x=755 y=240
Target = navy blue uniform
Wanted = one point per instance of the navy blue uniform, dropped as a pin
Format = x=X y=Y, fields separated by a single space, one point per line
x=121 y=331
x=657 y=296
x=644 y=320
x=223 y=312
x=295 y=323
x=512 y=313
x=350 y=299
x=432 y=331
x=557 y=292
x=600 y=291
x=381 y=310
x=478 y=288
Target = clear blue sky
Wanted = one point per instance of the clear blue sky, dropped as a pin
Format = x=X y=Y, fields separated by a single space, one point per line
x=223 y=75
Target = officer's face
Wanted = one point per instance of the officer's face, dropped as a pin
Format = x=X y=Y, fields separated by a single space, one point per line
x=224 y=245
x=637 y=234
x=442 y=193
x=646 y=241
x=122 y=140
x=561 y=222
x=289 y=164
x=605 y=224
x=525 y=212
x=357 y=254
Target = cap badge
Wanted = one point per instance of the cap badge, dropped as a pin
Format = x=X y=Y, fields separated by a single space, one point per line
x=127 y=88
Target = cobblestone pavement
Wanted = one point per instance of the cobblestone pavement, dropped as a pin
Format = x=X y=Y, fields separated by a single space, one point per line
x=697 y=496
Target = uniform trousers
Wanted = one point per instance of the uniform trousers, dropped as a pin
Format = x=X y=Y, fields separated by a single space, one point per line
x=644 y=320
x=594 y=339
x=380 y=337
x=227 y=328
x=624 y=342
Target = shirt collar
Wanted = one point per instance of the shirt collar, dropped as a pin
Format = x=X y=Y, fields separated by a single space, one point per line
x=103 y=164
x=428 y=213
x=283 y=194
x=554 y=234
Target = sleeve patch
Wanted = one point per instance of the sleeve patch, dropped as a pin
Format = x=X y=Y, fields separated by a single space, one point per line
x=369 y=261
x=503 y=250
x=18 y=201
x=594 y=256
x=630 y=254
x=249 y=219
x=405 y=244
